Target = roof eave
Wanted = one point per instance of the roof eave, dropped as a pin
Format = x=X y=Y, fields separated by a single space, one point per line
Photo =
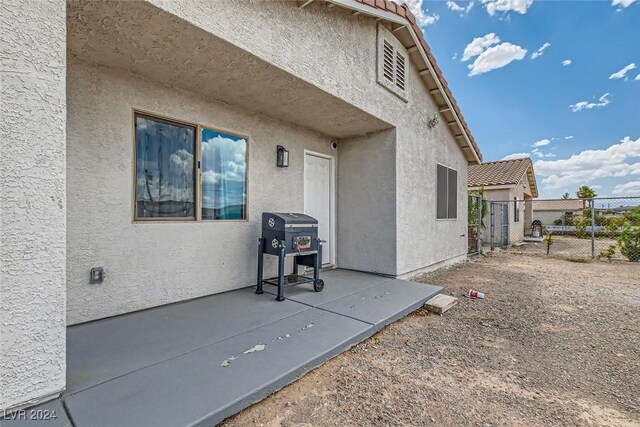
x=404 y=24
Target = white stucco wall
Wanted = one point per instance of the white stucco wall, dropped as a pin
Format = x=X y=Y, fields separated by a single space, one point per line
x=389 y=176
x=32 y=201
x=367 y=202
x=148 y=264
x=337 y=52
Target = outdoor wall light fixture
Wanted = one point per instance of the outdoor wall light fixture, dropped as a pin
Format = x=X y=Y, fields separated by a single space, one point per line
x=282 y=159
x=433 y=121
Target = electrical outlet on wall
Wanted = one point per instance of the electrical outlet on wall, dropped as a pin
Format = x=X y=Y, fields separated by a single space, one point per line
x=97 y=276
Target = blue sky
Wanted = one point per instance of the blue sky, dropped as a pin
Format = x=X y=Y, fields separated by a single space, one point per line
x=584 y=116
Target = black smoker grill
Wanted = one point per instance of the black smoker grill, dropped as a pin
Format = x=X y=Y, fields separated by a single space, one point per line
x=290 y=234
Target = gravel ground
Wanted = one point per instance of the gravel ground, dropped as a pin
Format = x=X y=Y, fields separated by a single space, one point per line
x=554 y=343
x=569 y=247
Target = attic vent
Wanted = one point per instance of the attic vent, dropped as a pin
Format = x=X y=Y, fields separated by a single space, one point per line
x=392 y=63
x=400 y=71
x=387 y=64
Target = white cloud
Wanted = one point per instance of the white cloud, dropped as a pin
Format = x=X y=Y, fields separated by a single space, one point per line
x=519 y=6
x=516 y=156
x=540 y=51
x=632 y=187
x=589 y=165
x=455 y=7
x=496 y=57
x=478 y=45
x=423 y=18
x=637 y=77
x=623 y=72
x=540 y=155
x=603 y=101
x=623 y=3
x=568 y=137
x=541 y=143
x=566 y=62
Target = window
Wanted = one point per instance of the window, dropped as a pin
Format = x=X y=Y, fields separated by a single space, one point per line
x=446 y=193
x=168 y=163
x=392 y=63
x=516 y=210
x=224 y=175
x=165 y=170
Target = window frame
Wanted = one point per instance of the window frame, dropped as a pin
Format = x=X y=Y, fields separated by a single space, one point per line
x=447 y=217
x=198 y=169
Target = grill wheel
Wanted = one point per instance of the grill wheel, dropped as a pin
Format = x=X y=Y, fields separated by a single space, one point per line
x=318 y=285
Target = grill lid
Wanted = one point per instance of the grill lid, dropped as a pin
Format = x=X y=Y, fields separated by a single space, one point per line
x=277 y=220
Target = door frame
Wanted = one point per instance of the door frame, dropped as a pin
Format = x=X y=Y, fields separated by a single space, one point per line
x=332 y=200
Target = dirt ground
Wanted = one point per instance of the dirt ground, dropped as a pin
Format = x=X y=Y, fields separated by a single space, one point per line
x=569 y=247
x=555 y=343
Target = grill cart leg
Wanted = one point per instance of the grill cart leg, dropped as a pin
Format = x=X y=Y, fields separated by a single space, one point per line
x=295 y=265
x=316 y=268
x=318 y=284
x=281 y=258
x=259 y=290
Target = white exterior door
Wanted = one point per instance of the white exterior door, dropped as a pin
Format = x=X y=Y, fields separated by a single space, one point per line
x=319 y=200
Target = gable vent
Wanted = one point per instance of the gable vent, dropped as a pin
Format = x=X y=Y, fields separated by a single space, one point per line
x=392 y=64
x=400 y=71
x=387 y=62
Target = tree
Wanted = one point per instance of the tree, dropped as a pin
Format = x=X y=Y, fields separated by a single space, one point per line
x=565 y=196
x=585 y=193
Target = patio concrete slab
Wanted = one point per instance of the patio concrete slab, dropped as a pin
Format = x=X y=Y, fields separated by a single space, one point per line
x=106 y=349
x=384 y=303
x=49 y=414
x=211 y=383
x=337 y=284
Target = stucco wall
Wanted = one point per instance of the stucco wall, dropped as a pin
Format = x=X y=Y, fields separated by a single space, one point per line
x=151 y=264
x=32 y=201
x=366 y=203
x=337 y=52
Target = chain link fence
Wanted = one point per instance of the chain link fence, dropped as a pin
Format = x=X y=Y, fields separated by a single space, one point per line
x=574 y=229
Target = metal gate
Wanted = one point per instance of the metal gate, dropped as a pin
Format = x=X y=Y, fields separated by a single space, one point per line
x=499 y=229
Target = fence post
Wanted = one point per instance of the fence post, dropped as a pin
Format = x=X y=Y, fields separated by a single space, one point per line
x=593 y=229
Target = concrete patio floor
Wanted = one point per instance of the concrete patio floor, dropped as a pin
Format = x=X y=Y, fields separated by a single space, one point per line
x=198 y=362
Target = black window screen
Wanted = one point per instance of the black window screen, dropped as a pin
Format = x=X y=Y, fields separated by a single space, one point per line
x=446 y=193
x=452 y=194
x=441 y=192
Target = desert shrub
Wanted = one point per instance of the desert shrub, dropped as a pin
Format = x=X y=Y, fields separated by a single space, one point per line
x=616 y=222
x=602 y=220
x=633 y=216
x=580 y=223
x=548 y=240
x=629 y=243
x=608 y=253
x=558 y=221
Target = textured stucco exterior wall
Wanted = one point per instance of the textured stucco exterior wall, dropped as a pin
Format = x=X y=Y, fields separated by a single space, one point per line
x=337 y=52
x=151 y=264
x=366 y=203
x=32 y=201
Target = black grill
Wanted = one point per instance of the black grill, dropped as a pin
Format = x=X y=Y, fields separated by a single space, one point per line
x=292 y=234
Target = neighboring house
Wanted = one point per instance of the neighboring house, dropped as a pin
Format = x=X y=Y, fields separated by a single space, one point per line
x=144 y=139
x=551 y=211
x=512 y=181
